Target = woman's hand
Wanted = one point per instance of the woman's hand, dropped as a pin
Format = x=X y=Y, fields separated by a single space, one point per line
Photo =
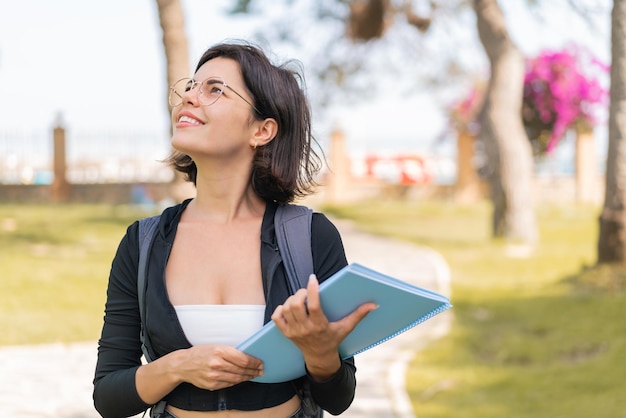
x=217 y=366
x=209 y=367
x=302 y=320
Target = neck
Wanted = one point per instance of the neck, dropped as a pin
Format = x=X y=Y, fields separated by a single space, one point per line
x=224 y=196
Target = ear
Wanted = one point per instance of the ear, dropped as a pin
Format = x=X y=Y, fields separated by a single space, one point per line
x=264 y=131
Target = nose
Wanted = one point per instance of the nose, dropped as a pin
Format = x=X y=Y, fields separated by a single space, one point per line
x=191 y=95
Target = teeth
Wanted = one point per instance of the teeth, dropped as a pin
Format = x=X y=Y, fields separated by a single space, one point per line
x=188 y=120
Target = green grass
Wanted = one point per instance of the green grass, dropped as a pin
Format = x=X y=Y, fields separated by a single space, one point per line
x=539 y=336
x=54 y=265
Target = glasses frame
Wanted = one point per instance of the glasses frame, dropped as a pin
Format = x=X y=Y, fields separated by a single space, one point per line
x=199 y=92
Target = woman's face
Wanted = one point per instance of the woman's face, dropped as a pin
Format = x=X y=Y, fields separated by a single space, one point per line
x=225 y=127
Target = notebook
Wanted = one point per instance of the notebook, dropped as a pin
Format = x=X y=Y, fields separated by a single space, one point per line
x=401 y=307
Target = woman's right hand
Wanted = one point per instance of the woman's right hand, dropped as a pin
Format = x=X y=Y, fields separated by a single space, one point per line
x=208 y=367
x=215 y=367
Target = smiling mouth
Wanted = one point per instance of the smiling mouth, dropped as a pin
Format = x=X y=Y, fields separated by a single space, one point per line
x=187 y=119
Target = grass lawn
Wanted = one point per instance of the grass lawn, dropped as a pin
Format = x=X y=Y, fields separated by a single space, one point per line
x=54 y=267
x=537 y=336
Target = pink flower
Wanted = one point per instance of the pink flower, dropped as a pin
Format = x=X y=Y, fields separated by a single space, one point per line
x=558 y=93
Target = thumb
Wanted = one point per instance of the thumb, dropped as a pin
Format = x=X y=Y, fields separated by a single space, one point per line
x=350 y=321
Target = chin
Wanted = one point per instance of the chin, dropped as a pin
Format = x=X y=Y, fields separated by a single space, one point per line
x=182 y=142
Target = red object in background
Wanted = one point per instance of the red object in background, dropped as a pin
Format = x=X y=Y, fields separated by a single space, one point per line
x=401 y=169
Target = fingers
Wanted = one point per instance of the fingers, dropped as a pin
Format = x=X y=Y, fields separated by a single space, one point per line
x=216 y=367
x=313 y=295
x=294 y=312
x=241 y=361
x=303 y=309
x=349 y=322
x=302 y=320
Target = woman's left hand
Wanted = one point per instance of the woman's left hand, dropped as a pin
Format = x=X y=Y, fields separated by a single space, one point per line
x=302 y=320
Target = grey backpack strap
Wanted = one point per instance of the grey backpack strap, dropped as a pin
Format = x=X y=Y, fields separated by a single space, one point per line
x=293 y=234
x=147 y=226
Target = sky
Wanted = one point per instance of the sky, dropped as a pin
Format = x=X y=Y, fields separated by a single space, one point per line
x=99 y=66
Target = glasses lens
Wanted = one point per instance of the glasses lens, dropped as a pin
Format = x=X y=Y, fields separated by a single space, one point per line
x=210 y=90
x=178 y=90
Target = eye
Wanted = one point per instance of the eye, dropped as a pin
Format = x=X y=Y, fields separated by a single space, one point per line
x=189 y=85
x=213 y=87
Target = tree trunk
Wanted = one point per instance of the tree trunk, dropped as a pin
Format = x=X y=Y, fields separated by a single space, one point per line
x=612 y=239
x=339 y=175
x=510 y=164
x=467 y=187
x=172 y=21
x=586 y=167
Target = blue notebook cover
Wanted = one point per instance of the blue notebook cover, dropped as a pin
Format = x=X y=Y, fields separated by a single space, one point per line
x=401 y=307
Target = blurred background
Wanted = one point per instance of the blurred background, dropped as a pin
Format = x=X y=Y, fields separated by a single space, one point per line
x=489 y=132
x=393 y=95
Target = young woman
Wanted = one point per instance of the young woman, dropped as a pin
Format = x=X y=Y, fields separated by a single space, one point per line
x=243 y=137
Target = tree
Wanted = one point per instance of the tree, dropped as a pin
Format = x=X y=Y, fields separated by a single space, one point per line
x=366 y=22
x=612 y=235
x=509 y=155
x=172 y=22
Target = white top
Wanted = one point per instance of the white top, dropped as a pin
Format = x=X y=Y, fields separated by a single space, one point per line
x=219 y=324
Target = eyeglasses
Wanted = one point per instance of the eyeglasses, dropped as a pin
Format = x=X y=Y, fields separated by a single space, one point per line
x=209 y=91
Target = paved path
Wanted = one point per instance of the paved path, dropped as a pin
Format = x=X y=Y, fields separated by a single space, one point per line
x=381 y=370
x=54 y=380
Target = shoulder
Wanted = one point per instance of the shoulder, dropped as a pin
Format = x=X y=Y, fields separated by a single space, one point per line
x=323 y=228
x=327 y=246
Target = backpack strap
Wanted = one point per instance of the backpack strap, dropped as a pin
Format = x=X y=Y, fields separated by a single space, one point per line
x=147 y=226
x=292 y=224
x=293 y=234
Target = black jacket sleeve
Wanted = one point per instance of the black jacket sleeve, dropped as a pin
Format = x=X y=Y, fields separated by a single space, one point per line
x=119 y=348
x=336 y=394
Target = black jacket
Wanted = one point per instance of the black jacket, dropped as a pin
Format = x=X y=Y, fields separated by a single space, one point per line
x=119 y=350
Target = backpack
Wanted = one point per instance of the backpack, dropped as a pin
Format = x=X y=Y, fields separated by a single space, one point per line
x=292 y=224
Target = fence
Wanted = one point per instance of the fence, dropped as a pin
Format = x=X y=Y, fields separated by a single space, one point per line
x=106 y=156
x=123 y=166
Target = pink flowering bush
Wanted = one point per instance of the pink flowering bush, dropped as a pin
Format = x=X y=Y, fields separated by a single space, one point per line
x=561 y=90
x=463 y=113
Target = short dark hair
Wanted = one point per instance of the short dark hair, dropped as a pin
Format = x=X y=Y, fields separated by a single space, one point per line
x=286 y=167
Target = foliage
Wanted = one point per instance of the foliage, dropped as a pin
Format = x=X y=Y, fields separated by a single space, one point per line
x=534 y=336
x=463 y=114
x=359 y=50
x=561 y=89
